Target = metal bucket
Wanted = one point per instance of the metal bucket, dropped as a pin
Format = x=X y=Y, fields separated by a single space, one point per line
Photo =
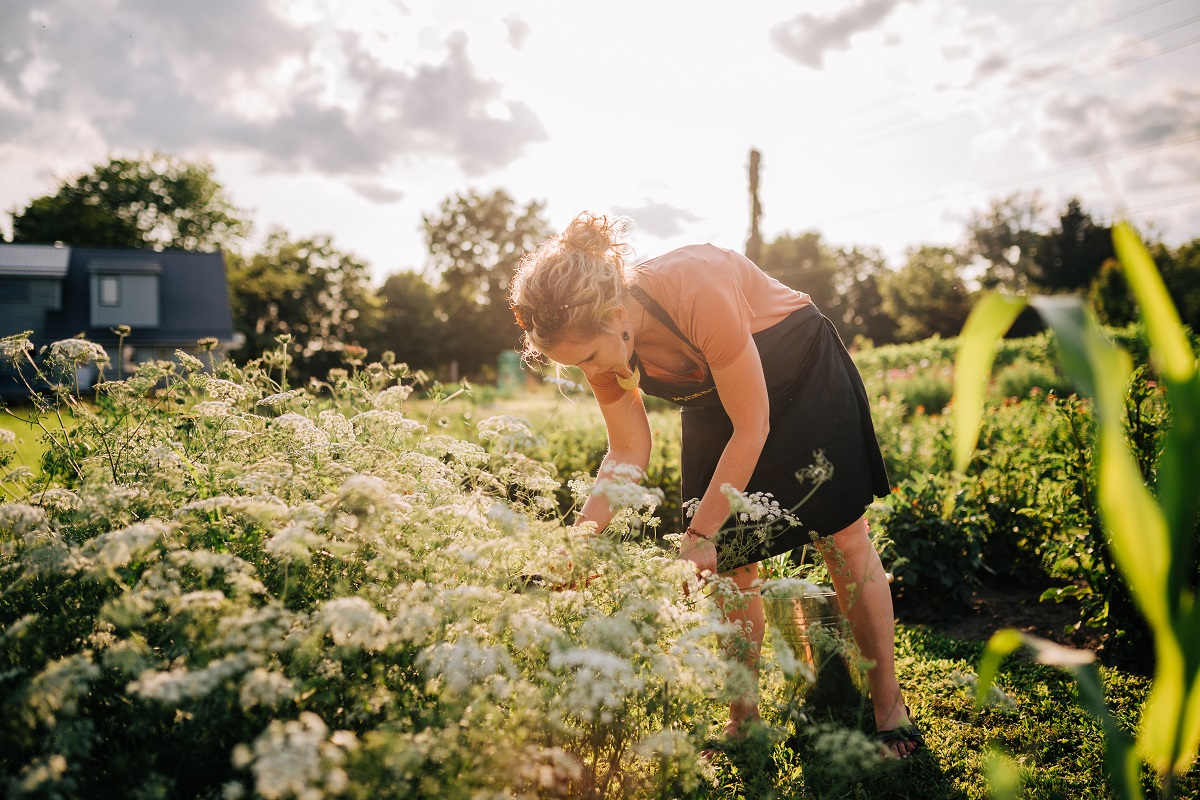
x=807 y=617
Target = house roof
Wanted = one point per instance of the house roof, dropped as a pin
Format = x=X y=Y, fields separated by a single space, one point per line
x=34 y=260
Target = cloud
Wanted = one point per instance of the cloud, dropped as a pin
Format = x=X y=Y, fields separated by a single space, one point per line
x=234 y=74
x=1085 y=126
x=659 y=219
x=377 y=192
x=806 y=38
x=518 y=31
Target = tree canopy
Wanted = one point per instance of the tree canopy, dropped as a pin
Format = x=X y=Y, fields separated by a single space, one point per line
x=475 y=244
x=306 y=288
x=153 y=202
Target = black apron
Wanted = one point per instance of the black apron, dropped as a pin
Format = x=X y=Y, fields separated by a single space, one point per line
x=819 y=415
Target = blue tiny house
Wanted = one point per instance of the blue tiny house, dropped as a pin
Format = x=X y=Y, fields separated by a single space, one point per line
x=169 y=299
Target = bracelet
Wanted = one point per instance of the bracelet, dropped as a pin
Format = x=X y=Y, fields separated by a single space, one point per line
x=694 y=532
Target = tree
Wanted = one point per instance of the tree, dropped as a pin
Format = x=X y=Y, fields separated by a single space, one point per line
x=408 y=321
x=1008 y=236
x=803 y=263
x=475 y=243
x=859 y=310
x=1073 y=252
x=1181 y=272
x=1111 y=297
x=155 y=202
x=927 y=296
x=306 y=288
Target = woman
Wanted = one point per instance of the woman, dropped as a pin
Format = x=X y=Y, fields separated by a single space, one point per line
x=766 y=388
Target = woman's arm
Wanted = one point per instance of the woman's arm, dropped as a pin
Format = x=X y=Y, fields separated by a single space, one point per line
x=743 y=391
x=628 y=443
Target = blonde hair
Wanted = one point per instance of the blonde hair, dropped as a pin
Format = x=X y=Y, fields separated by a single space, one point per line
x=572 y=284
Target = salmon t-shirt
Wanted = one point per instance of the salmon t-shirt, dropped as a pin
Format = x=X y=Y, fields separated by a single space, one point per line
x=718 y=298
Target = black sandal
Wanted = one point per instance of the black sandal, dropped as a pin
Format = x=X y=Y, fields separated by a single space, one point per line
x=906 y=734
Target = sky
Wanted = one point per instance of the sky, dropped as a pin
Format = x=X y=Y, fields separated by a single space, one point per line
x=881 y=123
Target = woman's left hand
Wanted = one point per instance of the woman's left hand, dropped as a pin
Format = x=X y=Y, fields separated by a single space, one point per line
x=700 y=551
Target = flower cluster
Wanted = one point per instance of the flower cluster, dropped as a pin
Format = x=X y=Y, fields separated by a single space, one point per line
x=264 y=570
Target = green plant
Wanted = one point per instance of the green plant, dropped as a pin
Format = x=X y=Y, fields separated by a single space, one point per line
x=939 y=550
x=1152 y=534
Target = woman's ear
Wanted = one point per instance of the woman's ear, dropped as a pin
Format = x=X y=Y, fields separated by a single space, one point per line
x=620 y=319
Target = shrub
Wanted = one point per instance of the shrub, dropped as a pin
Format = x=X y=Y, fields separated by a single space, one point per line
x=310 y=593
x=937 y=556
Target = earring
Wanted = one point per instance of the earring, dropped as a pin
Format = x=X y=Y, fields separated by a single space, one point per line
x=625 y=336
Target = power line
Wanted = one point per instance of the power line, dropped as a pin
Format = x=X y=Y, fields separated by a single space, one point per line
x=1071 y=167
x=1143 y=209
x=1041 y=46
x=889 y=135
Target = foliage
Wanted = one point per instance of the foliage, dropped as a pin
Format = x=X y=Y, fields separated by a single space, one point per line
x=1152 y=536
x=940 y=550
x=475 y=242
x=407 y=323
x=305 y=288
x=155 y=201
x=928 y=296
x=293 y=592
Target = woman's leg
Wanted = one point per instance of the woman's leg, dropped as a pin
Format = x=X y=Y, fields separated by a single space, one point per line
x=747 y=646
x=866 y=600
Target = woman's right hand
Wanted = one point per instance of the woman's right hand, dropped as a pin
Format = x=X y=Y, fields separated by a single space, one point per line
x=701 y=551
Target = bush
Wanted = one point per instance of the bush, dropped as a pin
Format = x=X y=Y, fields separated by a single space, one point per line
x=1022 y=377
x=938 y=556
x=307 y=592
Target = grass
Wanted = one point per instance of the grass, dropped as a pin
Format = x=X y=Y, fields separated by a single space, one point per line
x=29 y=444
x=1039 y=732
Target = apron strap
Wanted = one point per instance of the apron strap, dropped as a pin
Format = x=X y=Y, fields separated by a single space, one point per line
x=657 y=311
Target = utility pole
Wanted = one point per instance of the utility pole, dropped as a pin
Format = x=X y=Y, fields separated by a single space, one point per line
x=754 y=243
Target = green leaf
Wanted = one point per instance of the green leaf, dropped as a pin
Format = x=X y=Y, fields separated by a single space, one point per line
x=999 y=647
x=1168 y=338
x=991 y=317
x=1069 y=318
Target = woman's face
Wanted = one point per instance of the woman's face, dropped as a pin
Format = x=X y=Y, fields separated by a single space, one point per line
x=596 y=355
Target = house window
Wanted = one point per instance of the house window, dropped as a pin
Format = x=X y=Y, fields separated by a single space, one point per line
x=110 y=290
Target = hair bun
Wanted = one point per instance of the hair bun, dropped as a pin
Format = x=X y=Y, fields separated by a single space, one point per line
x=596 y=235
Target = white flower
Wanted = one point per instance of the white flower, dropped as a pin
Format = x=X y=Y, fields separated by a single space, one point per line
x=57 y=689
x=189 y=361
x=77 y=352
x=213 y=600
x=228 y=391
x=392 y=398
x=263 y=687
x=508 y=433
x=279 y=398
x=384 y=425
x=297 y=759
x=58 y=500
x=177 y=685
x=16 y=347
x=595 y=684
x=352 y=622
x=301 y=427
x=212 y=408
x=336 y=426
x=118 y=548
x=466 y=663
x=294 y=543
x=7 y=436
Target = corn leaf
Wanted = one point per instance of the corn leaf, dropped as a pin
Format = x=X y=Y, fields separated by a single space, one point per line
x=1168 y=339
x=989 y=319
